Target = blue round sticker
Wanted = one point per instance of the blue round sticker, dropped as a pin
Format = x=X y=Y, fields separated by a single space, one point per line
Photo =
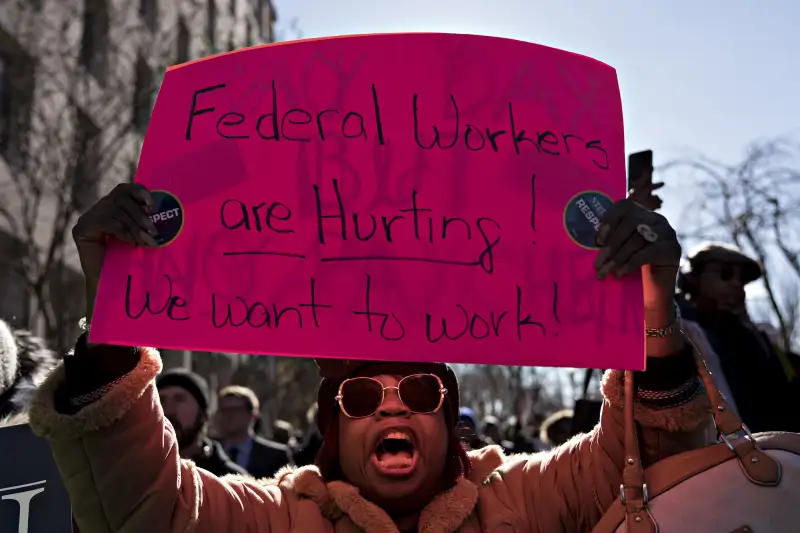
x=167 y=217
x=582 y=217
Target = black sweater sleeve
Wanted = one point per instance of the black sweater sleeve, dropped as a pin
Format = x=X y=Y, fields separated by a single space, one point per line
x=90 y=371
x=669 y=381
x=670 y=372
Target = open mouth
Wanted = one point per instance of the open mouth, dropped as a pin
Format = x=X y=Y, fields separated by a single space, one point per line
x=395 y=455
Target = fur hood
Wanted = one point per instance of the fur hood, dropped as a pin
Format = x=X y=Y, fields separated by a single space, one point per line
x=25 y=362
x=336 y=498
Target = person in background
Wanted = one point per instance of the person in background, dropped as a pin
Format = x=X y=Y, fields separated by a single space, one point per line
x=468 y=429
x=312 y=442
x=184 y=397
x=534 y=433
x=283 y=433
x=25 y=362
x=760 y=380
x=520 y=440
x=238 y=408
x=492 y=431
x=258 y=425
x=557 y=428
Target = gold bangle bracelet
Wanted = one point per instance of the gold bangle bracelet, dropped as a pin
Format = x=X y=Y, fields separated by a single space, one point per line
x=660 y=333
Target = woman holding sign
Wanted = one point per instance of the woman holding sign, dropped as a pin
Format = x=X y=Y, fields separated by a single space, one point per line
x=391 y=459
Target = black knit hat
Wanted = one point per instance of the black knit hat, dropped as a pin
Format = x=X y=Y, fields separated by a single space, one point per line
x=334 y=371
x=189 y=381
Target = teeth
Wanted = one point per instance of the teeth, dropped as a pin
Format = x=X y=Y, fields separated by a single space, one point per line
x=398 y=435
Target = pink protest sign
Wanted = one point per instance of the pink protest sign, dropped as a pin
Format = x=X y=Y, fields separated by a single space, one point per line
x=399 y=197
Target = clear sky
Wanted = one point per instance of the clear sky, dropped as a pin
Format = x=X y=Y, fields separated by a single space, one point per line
x=705 y=76
x=702 y=75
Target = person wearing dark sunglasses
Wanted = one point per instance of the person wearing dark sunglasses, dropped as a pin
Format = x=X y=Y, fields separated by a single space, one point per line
x=391 y=459
x=759 y=377
x=717 y=276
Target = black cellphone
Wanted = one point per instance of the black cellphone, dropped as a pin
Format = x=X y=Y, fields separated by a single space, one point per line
x=639 y=163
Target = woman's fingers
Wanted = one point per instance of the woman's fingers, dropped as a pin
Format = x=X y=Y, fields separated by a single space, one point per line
x=612 y=218
x=123 y=214
x=620 y=228
x=117 y=229
x=132 y=227
x=621 y=235
x=630 y=248
x=627 y=260
x=648 y=255
x=643 y=187
x=137 y=212
x=632 y=236
x=98 y=222
x=622 y=255
x=142 y=195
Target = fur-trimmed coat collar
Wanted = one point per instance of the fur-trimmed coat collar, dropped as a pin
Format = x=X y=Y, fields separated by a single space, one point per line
x=339 y=501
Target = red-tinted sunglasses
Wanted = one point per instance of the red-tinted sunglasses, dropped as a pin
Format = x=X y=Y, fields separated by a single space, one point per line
x=362 y=396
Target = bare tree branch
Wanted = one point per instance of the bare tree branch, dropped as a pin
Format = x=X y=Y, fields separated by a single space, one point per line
x=75 y=136
x=754 y=204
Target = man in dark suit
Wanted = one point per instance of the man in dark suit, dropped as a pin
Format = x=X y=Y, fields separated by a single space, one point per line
x=236 y=415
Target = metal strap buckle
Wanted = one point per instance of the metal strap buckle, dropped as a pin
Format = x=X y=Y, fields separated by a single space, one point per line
x=643 y=488
x=743 y=433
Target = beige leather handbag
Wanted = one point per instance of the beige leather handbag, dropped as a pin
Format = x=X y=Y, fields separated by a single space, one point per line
x=743 y=484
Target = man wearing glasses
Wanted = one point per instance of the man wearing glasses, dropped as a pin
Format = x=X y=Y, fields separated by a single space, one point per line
x=238 y=411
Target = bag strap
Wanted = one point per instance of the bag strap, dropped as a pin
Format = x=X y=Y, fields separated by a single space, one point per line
x=759 y=467
x=726 y=420
x=633 y=491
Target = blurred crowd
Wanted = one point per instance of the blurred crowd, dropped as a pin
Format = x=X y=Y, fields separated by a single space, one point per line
x=754 y=372
x=233 y=440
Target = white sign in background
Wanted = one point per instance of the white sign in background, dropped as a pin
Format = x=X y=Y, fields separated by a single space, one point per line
x=32 y=497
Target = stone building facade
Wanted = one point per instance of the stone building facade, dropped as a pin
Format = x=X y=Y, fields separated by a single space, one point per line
x=78 y=80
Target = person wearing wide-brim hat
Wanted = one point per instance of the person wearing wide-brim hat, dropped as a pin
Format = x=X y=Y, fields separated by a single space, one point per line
x=759 y=378
x=717 y=275
x=391 y=459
